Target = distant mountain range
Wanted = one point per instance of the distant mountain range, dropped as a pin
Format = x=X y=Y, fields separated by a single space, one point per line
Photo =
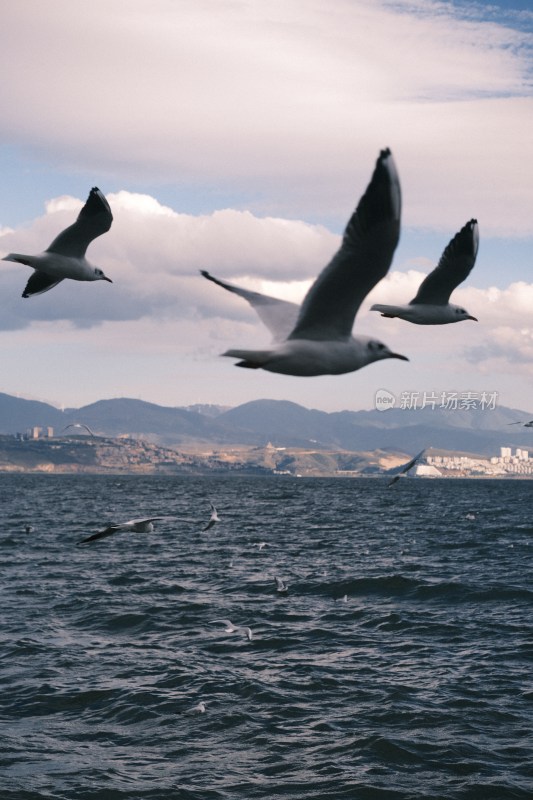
x=281 y=423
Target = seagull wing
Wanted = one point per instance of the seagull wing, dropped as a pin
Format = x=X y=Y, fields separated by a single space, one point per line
x=78 y=425
x=410 y=464
x=39 y=283
x=94 y=219
x=406 y=467
x=279 y=316
x=141 y=525
x=453 y=268
x=102 y=534
x=329 y=308
x=226 y=622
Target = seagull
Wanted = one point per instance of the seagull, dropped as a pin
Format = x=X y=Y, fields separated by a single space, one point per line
x=231 y=628
x=197 y=709
x=133 y=526
x=260 y=545
x=431 y=305
x=525 y=424
x=65 y=257
x=281 y=586
x=79 y=425
x=315 y=338
x=213 y=519
x=406 y=467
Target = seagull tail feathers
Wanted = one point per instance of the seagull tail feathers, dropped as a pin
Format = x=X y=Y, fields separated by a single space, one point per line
x=250 y=359
x=385 y=311
x=19 y=258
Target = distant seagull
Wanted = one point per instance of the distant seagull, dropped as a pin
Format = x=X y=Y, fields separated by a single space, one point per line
x=197 y=709
x=470 y=516
x=406 y=467
x=316 y=338
x=213 y=519
x=78 y=425
x=260 y=545
x=281 y=585
x=28 y=529
x=431 y=305
x=65 y=257
x=231 y=628
x=524 y=424
x=133 y=526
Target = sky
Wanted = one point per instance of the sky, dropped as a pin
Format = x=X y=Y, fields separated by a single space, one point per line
x=237 y=136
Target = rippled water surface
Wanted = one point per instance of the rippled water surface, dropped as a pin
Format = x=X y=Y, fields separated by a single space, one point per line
x=398 y=664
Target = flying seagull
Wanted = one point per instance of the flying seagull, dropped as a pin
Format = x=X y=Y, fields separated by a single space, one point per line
x=229 y=627
x=78 y=425
x=65 y=257
x=431 y=305
x=213 y=519
x=281 y=585
x=316 y=337
x=525 y=424
x=406 y=467
x=197 y=709
x=133 y=526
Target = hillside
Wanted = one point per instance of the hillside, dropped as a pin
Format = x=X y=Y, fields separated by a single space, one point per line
x=280 y=423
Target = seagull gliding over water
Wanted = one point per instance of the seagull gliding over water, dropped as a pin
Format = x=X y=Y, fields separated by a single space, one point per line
x=213 y=519
x=406 y=467
x=132 y=526
x=231 y=628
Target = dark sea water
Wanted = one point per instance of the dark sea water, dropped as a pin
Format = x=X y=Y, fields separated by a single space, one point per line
x=398 y=665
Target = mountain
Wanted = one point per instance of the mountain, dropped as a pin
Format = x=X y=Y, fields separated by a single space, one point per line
x=281 y=423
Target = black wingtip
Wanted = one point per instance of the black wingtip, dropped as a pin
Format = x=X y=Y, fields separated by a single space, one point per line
x=95 y=204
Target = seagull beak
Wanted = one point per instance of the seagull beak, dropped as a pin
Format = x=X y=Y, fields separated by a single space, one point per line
x=474 y=318
x=107 y=279
x=397 y=355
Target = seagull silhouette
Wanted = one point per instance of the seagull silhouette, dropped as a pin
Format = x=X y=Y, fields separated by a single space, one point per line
x=213 y=519
x=132 y=526
x=406 y=467
x=78 y=425
x=431 y=305
x=65 y=257
x=316 y=338
x=229 y=627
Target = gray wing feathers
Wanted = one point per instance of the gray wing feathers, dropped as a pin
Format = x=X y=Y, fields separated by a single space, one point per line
x=40 y=282
x=453 y=268
x=94 y=219
x=279 y=316
x=329 y=308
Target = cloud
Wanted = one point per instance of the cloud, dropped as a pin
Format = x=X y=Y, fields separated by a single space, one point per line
x=161 y=319
x=288 y=101
x=153 y=255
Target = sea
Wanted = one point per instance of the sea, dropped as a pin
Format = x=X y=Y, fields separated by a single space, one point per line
x=396 y=666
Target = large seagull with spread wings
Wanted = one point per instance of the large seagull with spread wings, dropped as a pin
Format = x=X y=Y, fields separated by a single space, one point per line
x=65 y=257
x=316 y=337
